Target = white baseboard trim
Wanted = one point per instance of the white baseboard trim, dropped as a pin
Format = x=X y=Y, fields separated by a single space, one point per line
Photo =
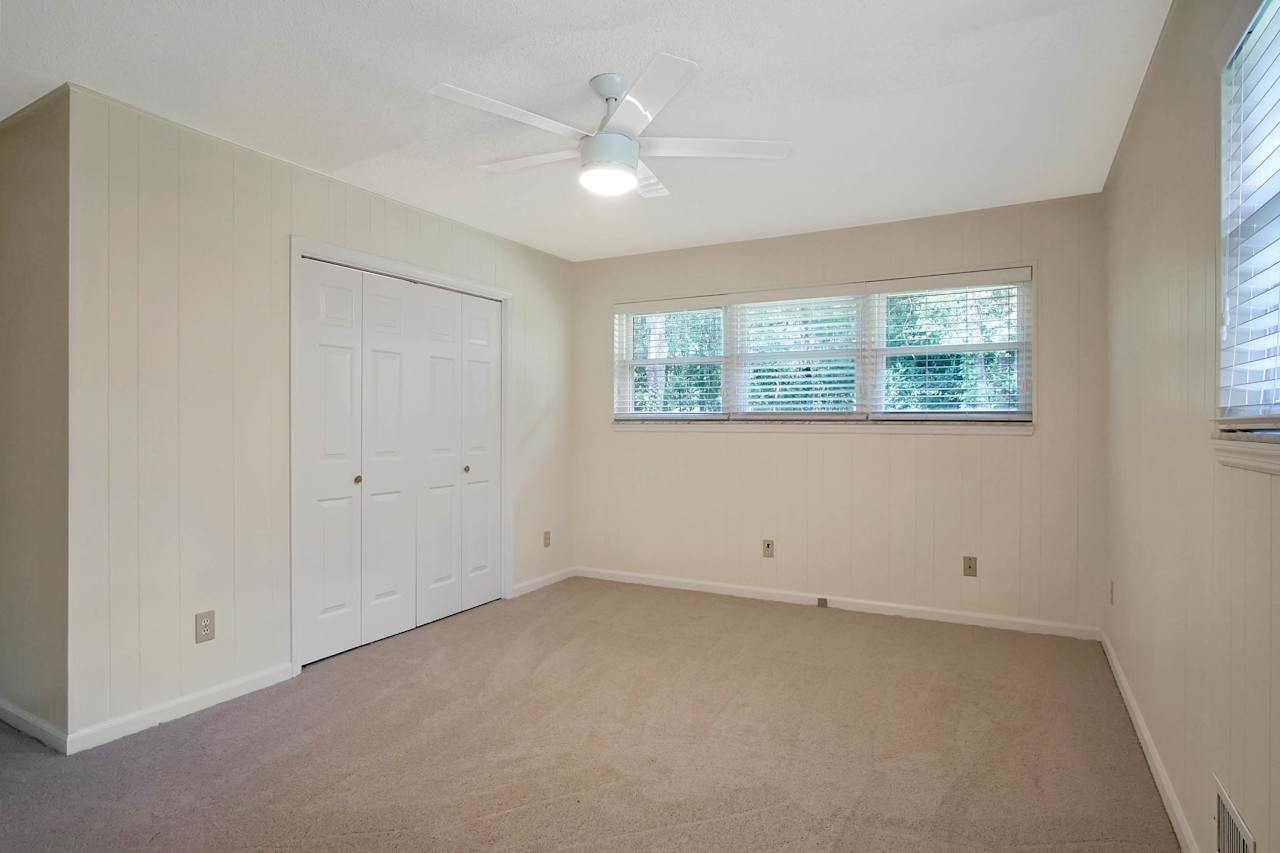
x=28 y=723
x=1177 y=815
x=118 y=727
x=539 y=582
x=910 y=611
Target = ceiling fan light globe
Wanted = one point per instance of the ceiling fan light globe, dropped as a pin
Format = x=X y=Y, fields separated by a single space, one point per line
x=607 y=179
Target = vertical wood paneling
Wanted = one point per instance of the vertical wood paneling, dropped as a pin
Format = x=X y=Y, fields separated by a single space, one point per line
x=871 y=463
x=1032 y=524
x=926 y=484
x=359 y=224
x=281 y=228
x=1192 y=543
x=433 y=242
x=948 y=521
x=901 y=584
x=122 y=421
x=88 y=461
x=35 y=254
x=1228 y=537
x=159 y=629
x=1001 y=525
x=1057 y=356
x=1237 y=663
x=971 y=520
x=399 y=230
x=1273 y=677
x=1256 y=652
x=880 y=516
x=254 y=592
x=1091 y=413
x=310 y=216
x=336 y=217
x=179 y=395
x=207 y=413
x=756 y=519
x=832 y=550
x=793 y=470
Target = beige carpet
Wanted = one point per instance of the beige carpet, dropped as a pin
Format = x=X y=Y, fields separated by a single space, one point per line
x=600 y=716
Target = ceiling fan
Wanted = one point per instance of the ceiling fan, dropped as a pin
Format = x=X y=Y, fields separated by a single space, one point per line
x=611 y=163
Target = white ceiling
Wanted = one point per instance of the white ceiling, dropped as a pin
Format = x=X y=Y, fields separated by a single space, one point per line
x=897 y=109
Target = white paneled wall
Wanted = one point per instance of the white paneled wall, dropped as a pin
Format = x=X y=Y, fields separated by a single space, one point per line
x=179 y=383
x=884 y=517
x=1195 y=547
x=33 y=416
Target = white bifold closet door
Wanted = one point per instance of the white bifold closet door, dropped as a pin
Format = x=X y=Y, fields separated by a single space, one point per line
x=396 y=423
x=481 y=399
x=395 y=325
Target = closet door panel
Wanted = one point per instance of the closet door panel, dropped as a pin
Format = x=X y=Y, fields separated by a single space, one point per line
x=481 y=433
x=326 y=457
x=394 y=326
x=440 y=510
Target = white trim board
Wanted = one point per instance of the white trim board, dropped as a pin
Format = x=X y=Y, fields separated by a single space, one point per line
x=884 y=608
x=539 y=582
x=128 y=724
x=1250 y=455
x=1005 y=428
x=37 y=727
x=1172 y=805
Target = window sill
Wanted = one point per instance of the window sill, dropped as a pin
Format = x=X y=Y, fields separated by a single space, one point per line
x=1249 y=451
x=1007 y=428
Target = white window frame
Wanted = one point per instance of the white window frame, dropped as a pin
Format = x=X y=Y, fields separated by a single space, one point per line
x=736 y=393
x=624 y=375
x=870 y=360
x=880 y=352
x=1239 y=427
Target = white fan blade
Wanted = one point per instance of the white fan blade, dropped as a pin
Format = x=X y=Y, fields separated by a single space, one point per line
x=752 y=149
x=527 y=162
x=649 y=186
x=655 y=88
x=489 y=105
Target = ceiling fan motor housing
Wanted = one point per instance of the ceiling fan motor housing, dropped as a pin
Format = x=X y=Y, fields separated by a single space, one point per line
x=607 y=148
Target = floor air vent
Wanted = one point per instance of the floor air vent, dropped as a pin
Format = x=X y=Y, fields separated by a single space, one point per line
x=1233 y=835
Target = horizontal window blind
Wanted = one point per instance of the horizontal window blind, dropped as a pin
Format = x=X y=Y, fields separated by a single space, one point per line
x=794 y=356
x=1249 y=360
x=948 y=351
x=669 y=363
x=877 y=351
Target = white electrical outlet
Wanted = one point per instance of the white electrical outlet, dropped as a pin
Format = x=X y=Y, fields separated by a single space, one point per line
x=204 y=626
x=546 y=539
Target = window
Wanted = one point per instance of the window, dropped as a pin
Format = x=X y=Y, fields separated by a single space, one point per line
x=798 y=355
x=670 y=363
x=947 y=347
x=952 y=351
x=1249 y=359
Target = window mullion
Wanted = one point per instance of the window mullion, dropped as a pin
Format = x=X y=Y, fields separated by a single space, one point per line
x=869 y=380
x=1026 y=362
x=730 y=370
x=623 y=380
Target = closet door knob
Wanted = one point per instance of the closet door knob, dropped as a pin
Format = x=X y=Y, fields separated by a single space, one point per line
x=359 y=479
x=466 y=469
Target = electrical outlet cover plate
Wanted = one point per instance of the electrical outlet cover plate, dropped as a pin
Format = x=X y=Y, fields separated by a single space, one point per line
x=546 y=539
x=204 y=626
x=766 y=549
x=971 y=567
